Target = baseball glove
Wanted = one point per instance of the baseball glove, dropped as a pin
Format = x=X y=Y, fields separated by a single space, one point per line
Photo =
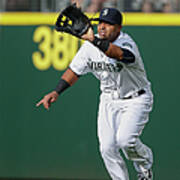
x=73 y=21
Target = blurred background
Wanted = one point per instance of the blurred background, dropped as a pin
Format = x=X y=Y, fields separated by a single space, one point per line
x=165 y=6
x=62 y=143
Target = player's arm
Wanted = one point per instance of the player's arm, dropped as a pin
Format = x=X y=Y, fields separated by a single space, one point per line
x=113 y=51
x=67 y=80
x=120 y=54
x=109 y=48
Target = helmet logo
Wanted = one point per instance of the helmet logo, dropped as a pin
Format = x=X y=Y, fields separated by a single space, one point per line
x=105 y=12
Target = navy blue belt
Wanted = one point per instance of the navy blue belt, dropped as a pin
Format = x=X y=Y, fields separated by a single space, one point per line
x=136 y=94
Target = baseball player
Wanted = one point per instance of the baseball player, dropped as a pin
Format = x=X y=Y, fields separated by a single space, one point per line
x=126 y=98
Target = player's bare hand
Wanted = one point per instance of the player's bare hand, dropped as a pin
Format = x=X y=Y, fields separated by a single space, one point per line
x=48 y=99
x=89 y=35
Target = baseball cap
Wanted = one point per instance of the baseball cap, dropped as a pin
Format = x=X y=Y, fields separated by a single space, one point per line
x=110 y=15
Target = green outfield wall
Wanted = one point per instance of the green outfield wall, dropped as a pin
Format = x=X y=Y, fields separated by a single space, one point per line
x=62 y=143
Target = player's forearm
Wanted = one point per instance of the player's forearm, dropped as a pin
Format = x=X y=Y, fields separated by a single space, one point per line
x=114 y=51
x=70 y=77
x=67 y=80
x=120 y=54
x=108 y=48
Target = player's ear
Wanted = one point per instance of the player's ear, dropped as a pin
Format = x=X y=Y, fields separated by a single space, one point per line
x=118 y=28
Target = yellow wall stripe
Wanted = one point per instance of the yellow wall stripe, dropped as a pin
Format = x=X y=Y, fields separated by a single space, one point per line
x=26 y=18
x=154 y=19
x=138 y=19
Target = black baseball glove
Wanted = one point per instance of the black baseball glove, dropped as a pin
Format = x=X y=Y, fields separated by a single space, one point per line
x=73 y=21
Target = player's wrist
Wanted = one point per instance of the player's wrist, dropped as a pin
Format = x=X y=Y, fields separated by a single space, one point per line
x=54 y=92
x=61 y=86
x=102 y=44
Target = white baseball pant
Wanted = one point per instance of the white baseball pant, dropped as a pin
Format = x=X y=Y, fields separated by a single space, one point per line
x=120 y=123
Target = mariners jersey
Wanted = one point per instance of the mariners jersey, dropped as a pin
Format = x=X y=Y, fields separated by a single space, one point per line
x=113 y=74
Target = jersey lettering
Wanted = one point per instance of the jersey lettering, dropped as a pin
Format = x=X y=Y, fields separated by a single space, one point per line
x=102 y=66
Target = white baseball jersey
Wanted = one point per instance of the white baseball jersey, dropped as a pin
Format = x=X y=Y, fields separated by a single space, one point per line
x=120 y=122
x=113 y=74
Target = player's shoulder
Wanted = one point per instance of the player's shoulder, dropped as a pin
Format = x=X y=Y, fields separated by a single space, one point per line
x=124 y=36
x=88 y=49
x=86 y=46
x=124 y=39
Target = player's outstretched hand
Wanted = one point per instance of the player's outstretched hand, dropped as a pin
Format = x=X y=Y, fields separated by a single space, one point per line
x=48 y=99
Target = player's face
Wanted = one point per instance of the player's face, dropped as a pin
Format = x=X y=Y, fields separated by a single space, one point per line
x=108 y=31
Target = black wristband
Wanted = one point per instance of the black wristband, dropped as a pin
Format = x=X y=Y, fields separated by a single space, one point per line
x=62 y=85
x=102 y=44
